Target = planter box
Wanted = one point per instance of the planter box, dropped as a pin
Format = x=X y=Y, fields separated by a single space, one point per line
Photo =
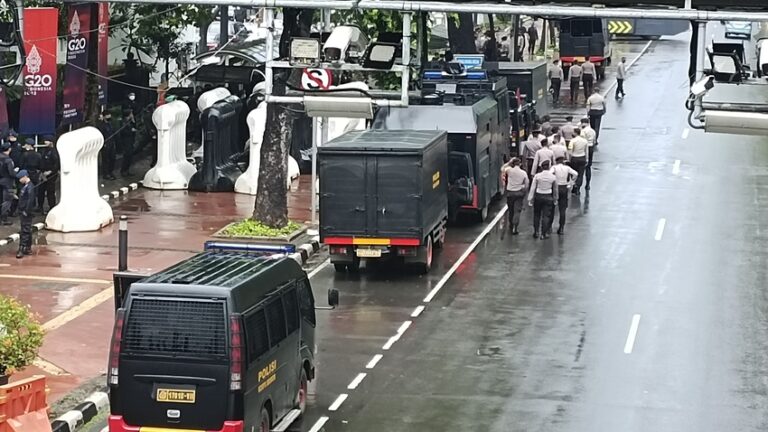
x=275 y=240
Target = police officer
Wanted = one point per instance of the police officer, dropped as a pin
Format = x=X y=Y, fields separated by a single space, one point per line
x=26 y=206
x=127 y=140
x=108 y=156
x=542 y=155
x=16 y=148
x=579 y=149
x=516 y=186
x=588 y=76
x=31 y=161
x=595 y=111
x=566 y=130
x=559 y=150
x=543 y=197
x=591 y=136
x=621 y=75
x=546 y=126
x=556 y=80
x=531 y=146
x=565 y=176
x=7 y=177
x=50 y=168
x=574 y=76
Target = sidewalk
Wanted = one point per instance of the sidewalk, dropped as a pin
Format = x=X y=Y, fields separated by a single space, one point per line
x=68 y=280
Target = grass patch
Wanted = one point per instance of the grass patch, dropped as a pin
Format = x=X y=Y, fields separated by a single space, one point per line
x=252 y=228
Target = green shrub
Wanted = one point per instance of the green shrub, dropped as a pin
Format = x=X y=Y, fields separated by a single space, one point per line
x=20 y=336
x=252 y=228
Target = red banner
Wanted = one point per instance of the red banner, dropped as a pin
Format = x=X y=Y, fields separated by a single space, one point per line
x=75 y=78
x=103 y=51
x=38 y=103
x=3 y=111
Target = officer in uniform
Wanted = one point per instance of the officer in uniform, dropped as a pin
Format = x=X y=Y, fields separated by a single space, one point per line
x=621 y=75
x=16 y=152
x=588 y=76
x=566 y=130
x=127 y=139
x=579 y=149
x=556 y=80
x=543 y=154
x=108 y=156
x=565 y=176
x=591 y=136
x=7 y=176
x=543 y=197
x=574 y=76
x=516 y=186
x=531 y=146
x=26 y=207
x=50 y=168
x=558 y=147
x=595 y=111
x=31 y=161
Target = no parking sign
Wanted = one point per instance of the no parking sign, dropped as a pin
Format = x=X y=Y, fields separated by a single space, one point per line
x=316 y=79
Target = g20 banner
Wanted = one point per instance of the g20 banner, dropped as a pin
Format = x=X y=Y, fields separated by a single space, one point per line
x=75 y=79
x=38 y=102
x=103 y=42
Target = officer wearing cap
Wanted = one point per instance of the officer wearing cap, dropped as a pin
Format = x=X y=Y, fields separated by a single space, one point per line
x=7 y=176
x=31 y=161
x=16 y=150
x=50 y=167
x=26 y=207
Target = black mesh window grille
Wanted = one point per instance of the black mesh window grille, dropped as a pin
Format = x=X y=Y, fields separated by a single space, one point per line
x=291 y=310
x=276 y=319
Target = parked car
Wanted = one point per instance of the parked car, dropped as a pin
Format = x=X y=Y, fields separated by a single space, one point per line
x=738 y=30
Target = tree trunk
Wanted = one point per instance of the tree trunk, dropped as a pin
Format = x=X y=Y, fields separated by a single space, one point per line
x=271 y=206
x=461 y=34
x=492 y=54
x=202 y=46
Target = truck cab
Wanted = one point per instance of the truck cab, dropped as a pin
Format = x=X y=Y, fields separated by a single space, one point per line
x=585 y=38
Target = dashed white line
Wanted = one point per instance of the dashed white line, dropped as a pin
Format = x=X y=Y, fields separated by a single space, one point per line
x=676 y=167
x=337 y=403
x=391 y=342
x=686 y=132
x=403 y=327
x=660 y=229
x=319 y=424
x=464 y=256
x=356 y=382
x=416 y=312
x=372 y=364
x=630 y=344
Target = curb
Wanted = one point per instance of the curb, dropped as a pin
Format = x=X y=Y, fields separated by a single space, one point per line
x=82 y=414
x=41 y=225
x=306 y=250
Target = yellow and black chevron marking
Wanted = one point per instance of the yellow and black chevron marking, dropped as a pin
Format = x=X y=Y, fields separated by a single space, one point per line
x=620 y=27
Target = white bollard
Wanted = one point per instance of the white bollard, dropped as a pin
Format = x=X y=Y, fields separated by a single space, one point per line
x=172 y=171
x=248 y=182
x=81 y=207
x=205 y=101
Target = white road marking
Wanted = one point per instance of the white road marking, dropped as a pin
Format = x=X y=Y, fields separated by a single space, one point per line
x=660 y=229
x=632 y=334
x=416 y=312
x=372 y=364
x=356 y=382
x=317 y=269
x=403 y=327
x=686 y=132
x=337 y=403
x=676 y=167
x=79 y=310
x=319 y=424
x=391 y=342
x=464 y=256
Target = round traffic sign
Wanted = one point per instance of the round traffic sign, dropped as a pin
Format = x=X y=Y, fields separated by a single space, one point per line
x=316 y=79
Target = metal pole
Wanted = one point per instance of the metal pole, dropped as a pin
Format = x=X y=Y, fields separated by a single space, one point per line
x=406 y=78
x=315 y=138
x=702 y=49
x=122 y=244
x=224 y=25
x=269 y=19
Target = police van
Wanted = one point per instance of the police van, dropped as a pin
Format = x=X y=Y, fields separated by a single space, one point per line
x=222 y=341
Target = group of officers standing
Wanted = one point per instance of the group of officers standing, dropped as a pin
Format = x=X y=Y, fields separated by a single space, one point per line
x=555 y=162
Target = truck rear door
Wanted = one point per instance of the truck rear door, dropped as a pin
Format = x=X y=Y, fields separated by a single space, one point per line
x=398 y=196
x=343 y=204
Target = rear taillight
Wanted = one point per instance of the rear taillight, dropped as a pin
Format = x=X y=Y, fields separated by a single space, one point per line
x=236 y=356
x=113 y=375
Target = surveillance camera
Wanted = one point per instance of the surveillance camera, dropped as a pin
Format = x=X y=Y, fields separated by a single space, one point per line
x=702 y=86
x=345 y=42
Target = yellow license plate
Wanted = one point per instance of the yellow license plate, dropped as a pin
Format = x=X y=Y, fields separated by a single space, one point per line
x=369 y=253
x=580 y=59
x=175 y=396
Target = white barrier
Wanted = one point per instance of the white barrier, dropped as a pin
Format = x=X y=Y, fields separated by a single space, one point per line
x=205 y=101
x=81 y=207
x=248 y=182
x=172 y=170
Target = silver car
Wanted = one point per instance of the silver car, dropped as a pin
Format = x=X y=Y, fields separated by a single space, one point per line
x=738 y=30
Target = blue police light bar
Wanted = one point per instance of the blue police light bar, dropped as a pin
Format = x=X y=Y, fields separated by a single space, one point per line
x=217 y=246
x=439 y=75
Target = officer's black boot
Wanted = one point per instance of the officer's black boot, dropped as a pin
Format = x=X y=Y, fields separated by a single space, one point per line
x=535 y=234
x=27 y=250
x=20 y=253
x=514 y=230
x=560 y=231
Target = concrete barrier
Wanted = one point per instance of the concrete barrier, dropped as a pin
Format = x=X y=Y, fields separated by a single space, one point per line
x=172 y=170
x=24 y=406
x=205 y=101
x=218 y=172
x=81 y=207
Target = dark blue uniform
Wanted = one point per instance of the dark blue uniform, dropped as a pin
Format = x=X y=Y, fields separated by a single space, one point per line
x=50 y=167
x=7 y=182
x=26 y=207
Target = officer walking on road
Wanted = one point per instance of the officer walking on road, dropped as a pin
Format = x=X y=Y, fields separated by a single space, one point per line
x=567 y=130
x=588 y=73
x=7 y=176
x=559 y=150
x=621 y=75
x=556 y=77
x=595 y=111
x=574 y=76
x=579 y=149
x=542 y=155
x=565 y=176
x=26 y=207
x=517 y=188
x=543 y=197
x=591 y=136
x=532 y=145
x=50 y=167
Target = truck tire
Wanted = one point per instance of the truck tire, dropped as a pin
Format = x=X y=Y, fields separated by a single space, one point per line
x=426 y=266
x=265 y=424
x=301 y=394
x=482 y=214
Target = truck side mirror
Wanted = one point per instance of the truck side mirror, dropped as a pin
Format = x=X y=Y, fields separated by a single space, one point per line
x=333 y=297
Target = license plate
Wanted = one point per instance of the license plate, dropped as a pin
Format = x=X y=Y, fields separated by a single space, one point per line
x=369 y=253
x=154 y=429
x=175 y=396
x=580 y=59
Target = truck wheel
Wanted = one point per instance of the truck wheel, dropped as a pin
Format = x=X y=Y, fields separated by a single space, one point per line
x=301 y=395
x=483 y=214
x=264 y=423
x=426 y=266
x=340 y=268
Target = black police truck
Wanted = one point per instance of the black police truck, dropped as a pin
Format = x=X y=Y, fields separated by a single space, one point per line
x=223 y=341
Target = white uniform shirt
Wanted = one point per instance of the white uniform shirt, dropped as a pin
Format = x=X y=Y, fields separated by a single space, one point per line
x=574 y=72
x=559 y=150
x=544 y=154
x=621 y=71
x=556 y=72
x=589 y=134
x=566 y=131
x=596 y=102
x=563 y=173
x=579 y=147
x=588 y=68
x=517 y=179
x=543 y=183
